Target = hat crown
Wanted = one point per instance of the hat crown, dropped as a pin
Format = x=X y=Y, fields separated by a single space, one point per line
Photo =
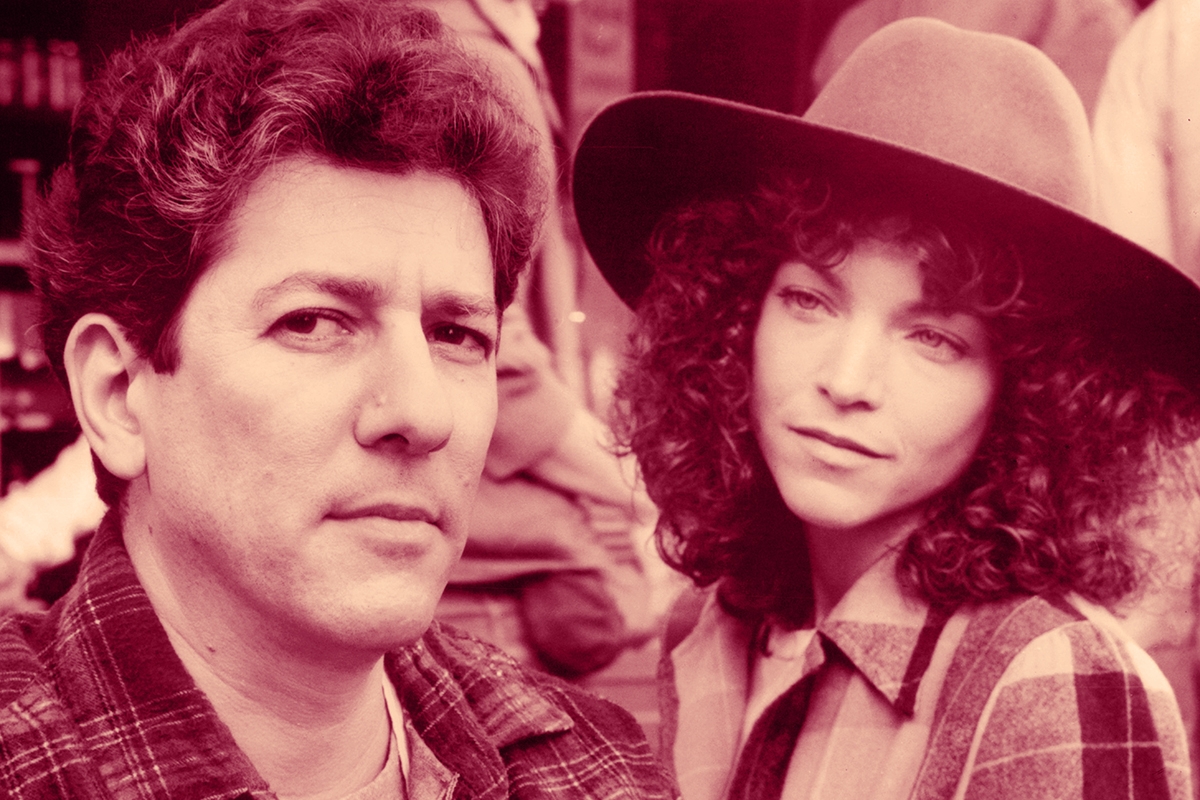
x=955 y=120
x=988 y=103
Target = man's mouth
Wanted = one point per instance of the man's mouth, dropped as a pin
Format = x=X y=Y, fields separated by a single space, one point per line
x=399 y=512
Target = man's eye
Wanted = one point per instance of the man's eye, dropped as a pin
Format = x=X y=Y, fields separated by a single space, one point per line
x=301 y=323
x=452 y=334
x=463 y=339
x=312 y=324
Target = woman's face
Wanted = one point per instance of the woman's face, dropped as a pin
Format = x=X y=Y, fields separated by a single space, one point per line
x=867 y=401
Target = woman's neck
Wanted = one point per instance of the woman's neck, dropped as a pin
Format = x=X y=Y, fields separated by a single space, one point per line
x=838 y=557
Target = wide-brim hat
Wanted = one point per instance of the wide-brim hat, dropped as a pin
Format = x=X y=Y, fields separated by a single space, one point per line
x=968 y=122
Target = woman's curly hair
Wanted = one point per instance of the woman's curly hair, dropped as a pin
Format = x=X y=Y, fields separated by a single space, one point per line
x=1040 y=508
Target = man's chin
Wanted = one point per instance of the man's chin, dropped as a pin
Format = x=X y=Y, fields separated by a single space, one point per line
x=363 y=634
x=387 y=632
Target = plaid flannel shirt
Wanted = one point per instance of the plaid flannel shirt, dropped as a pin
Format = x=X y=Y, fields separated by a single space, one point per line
x=94 y=703
x=1027 y=698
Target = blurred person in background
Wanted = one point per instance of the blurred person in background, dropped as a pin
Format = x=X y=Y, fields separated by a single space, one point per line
x=1147 y=134
x=555 y=568
x=1147 y=139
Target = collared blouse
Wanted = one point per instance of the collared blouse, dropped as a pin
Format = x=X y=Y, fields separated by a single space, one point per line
x=1034 y=698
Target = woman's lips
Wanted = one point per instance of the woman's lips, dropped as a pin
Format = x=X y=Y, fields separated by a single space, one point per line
x=839 y=441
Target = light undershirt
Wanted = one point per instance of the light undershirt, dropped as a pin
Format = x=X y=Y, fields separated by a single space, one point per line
x=391 y=782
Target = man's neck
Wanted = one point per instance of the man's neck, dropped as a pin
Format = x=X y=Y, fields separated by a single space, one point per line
x=309 y=733
x=312 y=720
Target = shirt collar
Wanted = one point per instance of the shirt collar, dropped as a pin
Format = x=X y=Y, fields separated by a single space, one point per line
x=468 y=702
x=886 y=633
x=498 y=693
x=132 y=700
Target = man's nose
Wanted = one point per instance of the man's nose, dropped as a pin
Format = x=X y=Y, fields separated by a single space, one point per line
x=405 y=405
x=852 y=367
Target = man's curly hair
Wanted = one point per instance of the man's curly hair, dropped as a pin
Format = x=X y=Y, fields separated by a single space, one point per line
x=168 y=140
x=1073 y=445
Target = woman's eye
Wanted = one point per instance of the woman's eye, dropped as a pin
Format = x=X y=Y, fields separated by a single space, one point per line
x=801 y=299
x=940 y=343
x=931 y=338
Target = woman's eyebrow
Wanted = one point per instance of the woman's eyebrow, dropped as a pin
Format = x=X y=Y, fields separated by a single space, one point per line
x=827 y=276
x=936 y=308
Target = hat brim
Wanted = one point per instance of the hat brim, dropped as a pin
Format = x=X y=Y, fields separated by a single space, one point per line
x=648 y=153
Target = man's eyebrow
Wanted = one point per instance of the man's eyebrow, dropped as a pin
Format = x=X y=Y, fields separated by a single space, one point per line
x=457 y=304
x=367 y=292
x=355 y=290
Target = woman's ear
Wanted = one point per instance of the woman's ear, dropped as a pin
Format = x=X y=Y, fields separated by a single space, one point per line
x=101 y=364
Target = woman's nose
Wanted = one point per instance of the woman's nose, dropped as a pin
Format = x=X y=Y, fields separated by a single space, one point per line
x=853 y=365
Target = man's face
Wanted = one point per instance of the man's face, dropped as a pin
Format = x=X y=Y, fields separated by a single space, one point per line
x=311 y=464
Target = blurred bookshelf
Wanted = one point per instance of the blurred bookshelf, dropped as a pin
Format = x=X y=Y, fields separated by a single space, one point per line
x=41 y=79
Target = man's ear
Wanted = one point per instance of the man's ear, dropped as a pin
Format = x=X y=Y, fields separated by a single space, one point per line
x=101 y=366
